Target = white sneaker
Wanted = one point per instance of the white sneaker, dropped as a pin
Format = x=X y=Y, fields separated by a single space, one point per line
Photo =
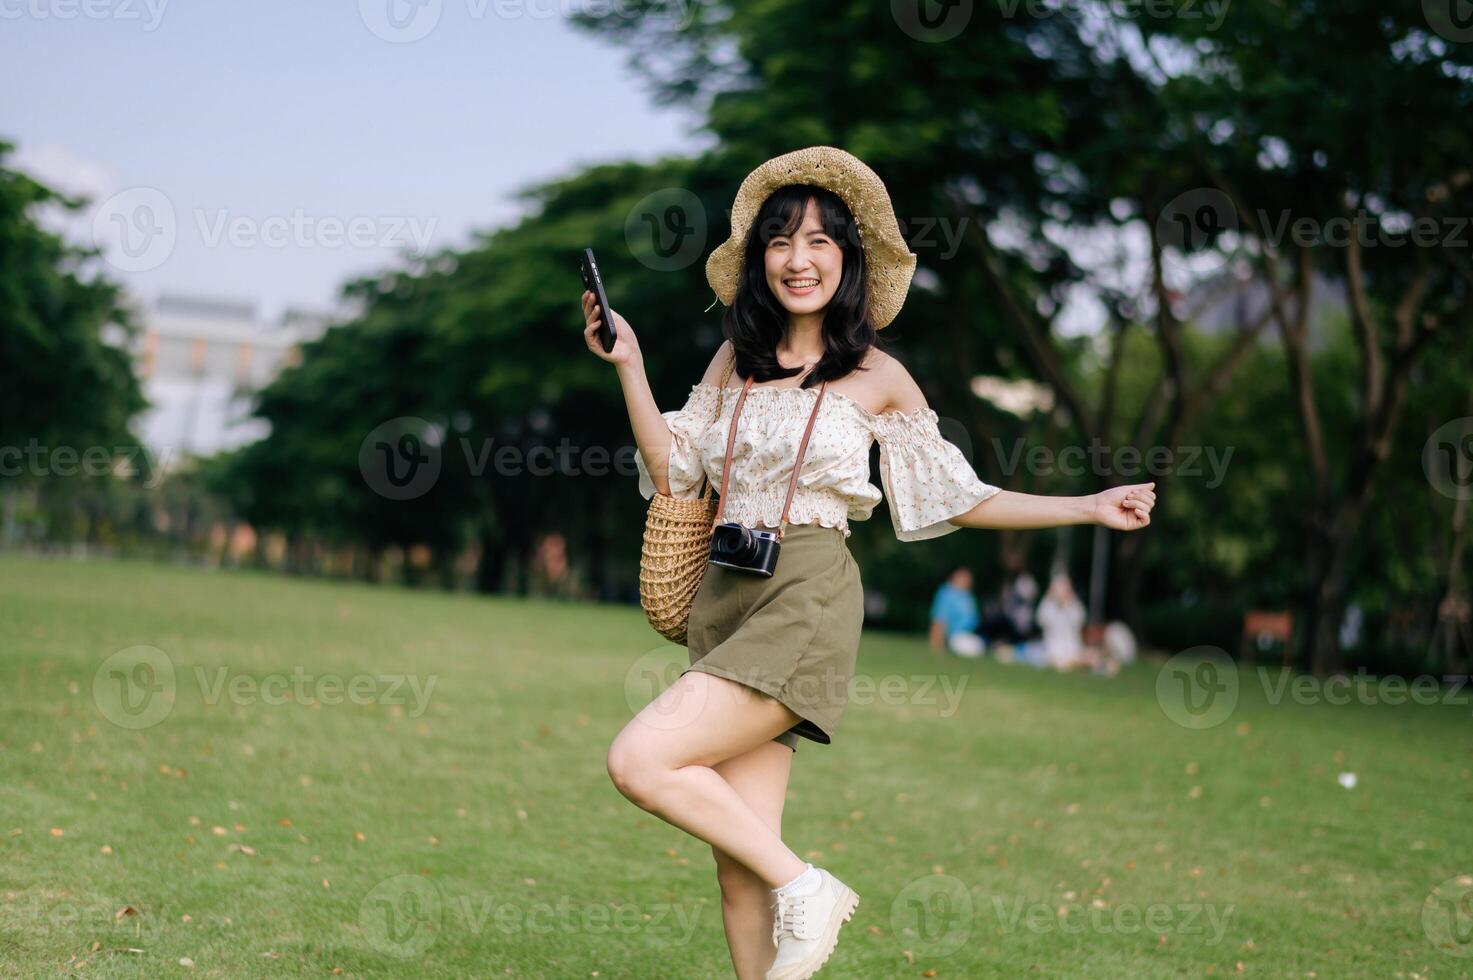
x=805 y=928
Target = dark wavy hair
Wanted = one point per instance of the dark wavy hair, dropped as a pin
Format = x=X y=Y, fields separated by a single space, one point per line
x=756 y=320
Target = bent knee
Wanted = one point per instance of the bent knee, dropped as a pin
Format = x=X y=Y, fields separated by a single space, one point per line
x=634 y=773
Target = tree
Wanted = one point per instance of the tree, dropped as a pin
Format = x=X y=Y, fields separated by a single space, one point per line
x=1276 y=108
x=68 y=384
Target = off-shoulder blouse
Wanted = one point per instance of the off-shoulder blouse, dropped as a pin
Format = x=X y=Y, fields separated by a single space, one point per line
x=926 y=479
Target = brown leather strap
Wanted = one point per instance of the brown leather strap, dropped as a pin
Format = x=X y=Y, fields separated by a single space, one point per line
x=802 y=448
x=797 y=465
x=730 y=442
x=720 y=403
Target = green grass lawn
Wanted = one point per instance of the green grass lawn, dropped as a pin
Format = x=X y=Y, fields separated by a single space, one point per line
x=265 y=822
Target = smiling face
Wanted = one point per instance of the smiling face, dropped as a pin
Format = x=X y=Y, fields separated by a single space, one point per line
x=804 y=267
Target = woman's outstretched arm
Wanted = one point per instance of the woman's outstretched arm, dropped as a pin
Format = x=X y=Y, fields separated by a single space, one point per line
x=1125 y=508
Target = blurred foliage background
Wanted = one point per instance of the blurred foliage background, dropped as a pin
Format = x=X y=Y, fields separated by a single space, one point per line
x=1192 y=225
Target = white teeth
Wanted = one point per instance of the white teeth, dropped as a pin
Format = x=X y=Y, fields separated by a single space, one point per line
x=802 y=283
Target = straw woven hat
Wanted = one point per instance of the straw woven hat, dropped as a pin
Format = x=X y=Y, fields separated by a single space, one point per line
x=889 y=260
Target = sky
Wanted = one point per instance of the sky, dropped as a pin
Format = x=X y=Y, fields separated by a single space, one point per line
x=268 y=151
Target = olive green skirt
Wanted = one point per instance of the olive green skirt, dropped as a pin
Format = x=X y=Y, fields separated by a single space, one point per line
x=793 y=637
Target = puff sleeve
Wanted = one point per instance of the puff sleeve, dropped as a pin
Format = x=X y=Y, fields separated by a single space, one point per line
x=926 y=478
x=686 y=425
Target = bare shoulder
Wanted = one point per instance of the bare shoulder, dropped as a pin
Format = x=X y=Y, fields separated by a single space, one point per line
x=900 y=393
x=717 y=366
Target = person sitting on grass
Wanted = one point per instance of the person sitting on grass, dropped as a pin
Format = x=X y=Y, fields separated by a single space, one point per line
x=1061 y=617
x=954 y=616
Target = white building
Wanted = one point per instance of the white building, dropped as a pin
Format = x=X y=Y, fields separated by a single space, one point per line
x=200 y=361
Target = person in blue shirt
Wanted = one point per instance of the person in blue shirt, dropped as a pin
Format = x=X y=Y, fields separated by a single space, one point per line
x=954 y=616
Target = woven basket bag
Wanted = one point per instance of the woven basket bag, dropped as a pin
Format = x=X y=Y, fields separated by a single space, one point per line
x=677 y=546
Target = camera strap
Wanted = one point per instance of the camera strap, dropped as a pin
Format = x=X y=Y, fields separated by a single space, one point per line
x=802 y=450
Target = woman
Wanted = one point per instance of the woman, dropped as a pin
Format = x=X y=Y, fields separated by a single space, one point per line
x=815 y=266
x=1061 y=617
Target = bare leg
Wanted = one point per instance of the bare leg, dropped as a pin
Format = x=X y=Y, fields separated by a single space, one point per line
x=760 y=777
x=662 y=762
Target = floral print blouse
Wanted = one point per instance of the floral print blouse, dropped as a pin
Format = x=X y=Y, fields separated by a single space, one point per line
x=926 y=478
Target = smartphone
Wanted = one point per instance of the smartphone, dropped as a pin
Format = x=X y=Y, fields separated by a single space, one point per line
x=594 y=282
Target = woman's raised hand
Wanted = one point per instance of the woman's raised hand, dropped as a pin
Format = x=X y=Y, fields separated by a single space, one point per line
x=626 y=345
x=1125 y=508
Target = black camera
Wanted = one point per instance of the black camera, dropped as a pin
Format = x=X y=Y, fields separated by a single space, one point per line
x=744 y=548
